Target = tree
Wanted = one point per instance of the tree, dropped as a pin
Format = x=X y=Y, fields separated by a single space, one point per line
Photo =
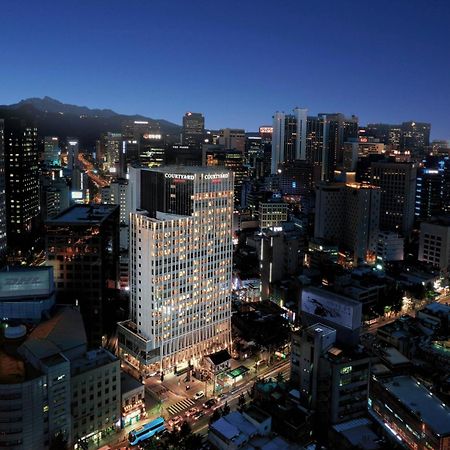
x=59 y=442
x=226 y=409
x=214 y=416
x=280 y=377
x=185 y=430
x=241 y=402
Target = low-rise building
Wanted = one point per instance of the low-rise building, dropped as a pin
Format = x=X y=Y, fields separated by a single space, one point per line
x=133 y=399
x=411 y=412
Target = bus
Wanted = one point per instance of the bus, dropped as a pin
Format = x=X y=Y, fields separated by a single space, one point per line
x=146 y=431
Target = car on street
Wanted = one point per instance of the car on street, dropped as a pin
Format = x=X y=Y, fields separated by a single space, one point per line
x=191 y=412
x=199 y=395
x=174 y=421
x=198 y=415
x=209 y=403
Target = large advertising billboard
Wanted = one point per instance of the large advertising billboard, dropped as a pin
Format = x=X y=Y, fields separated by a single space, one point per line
x=25 y=283
x=332 y=308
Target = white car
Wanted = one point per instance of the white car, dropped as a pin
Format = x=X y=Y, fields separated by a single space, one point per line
x=199 y=395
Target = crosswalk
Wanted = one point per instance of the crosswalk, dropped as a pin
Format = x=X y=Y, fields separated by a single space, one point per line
x=180 y=406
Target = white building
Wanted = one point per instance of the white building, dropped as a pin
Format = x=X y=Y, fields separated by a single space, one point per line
x=180 y=266
x=389 y=247
x=117 y=193
x=434 y=243
x=289 y=137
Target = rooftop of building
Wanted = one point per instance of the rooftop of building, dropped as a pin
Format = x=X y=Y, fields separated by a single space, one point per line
x=128 y=383
x=91 y=360
x=443 y=221
x=421 y=402
x=311 y=290
x=436 y=308
x=63 y=332
x=187 y=169
x=84 y=214
x=393 y=357
x=359 y=433
x=320 y=329
x=219 y=357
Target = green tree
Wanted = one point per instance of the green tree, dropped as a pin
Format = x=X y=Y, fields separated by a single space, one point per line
x=241 y=402
x=214 y=416
x=226 y=409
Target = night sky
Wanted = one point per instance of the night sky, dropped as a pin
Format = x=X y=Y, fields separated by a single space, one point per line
x=235 y=61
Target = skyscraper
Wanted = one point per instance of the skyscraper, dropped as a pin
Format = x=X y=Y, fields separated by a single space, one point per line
x=52 y=151
x=397 y=182
x=180 y=267
x=193 y=129
x=72 y=153
x=82 y=245
x=22 y=179
x=3 y=240
x=289 y=137
x=348 y=215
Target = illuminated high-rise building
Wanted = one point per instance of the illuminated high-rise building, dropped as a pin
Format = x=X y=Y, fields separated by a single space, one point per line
x=72 y=152
x=22 y=179
x=289 y=137
x=3 y=241
x=52 y=151
x=193 y=129
x=180 y=266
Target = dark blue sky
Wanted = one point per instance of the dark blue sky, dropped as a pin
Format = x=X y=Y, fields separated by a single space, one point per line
x=235 y=61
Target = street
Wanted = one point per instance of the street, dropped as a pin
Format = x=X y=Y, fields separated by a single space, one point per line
x=180 y=400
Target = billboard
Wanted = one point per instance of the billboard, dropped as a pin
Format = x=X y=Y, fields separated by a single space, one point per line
x=26 y=283
x=331 y=307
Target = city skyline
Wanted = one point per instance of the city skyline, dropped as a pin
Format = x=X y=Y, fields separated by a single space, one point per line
x=183 y=60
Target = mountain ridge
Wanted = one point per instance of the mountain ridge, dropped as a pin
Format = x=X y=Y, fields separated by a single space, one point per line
x=53 y=117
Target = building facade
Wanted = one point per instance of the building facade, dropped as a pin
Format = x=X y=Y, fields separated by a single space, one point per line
x=180 y=267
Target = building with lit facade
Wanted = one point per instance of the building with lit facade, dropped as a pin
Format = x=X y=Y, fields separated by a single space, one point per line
x=82 y=245
x=180 y=267
x=348 y=215
x=3 y=225
x=397 y=182
x=72 y=153
x=22 y=180
x=193 y=129
x=289 y=137
x=52 y=152
x=410 y=412
x=434 y=243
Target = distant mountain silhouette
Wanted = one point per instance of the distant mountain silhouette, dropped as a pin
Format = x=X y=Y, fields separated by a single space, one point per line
x=53 y=117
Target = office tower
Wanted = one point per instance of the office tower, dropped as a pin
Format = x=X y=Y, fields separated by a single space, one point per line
x=415 y=136
x=49 y=383
x=397 y=182
x=55 y=196
x=117 y=193
x=272 y=214
x=52 y=152
x=348 y=215
x=266 y=132
x=289 y=137
x=360 y=148
x=3 y=224
x=297 y=178
x=22 y=180
x=232 y=160
x=232 y=139
x=390 y=135
x=333 y=310
x=193 y=129
x=72 y=153
x=333 y=380
x=112 y=149
x=180 y=267
x=433 y=187
x=82 y=245
x=390 y=248
x=281 y=255
x=337 y=130
x=434 y=243
x=152 y=150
